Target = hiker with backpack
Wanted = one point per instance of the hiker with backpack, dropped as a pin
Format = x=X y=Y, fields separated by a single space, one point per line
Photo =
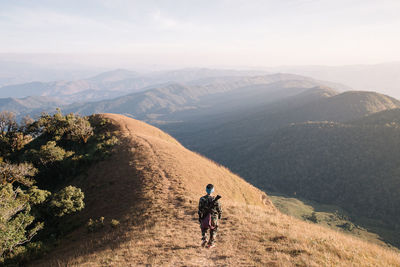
x=209 y=212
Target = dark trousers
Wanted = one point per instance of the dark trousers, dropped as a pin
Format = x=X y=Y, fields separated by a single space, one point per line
x=213 y=234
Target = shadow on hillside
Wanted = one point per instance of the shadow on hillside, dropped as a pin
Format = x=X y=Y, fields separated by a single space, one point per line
x=114 y=189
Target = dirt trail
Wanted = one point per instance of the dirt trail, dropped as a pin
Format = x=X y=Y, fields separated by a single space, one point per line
x=204 y=256
x=178 y=201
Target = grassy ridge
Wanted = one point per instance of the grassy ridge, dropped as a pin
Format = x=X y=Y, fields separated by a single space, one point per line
x=160 y=182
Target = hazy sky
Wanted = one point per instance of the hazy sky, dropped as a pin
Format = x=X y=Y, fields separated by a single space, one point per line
x=207 y=32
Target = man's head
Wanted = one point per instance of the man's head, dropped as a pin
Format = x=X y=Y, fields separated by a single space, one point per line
x=209 y=189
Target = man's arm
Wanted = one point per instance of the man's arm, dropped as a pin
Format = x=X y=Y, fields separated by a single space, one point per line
x=219 y=210
x=200 y=210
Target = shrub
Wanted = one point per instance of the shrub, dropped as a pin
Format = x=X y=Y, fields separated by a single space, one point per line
x=114 y=223
x=112 y=141
x=53 y=126
x=348 y=226
x=95 y=225
x=67 y=200
x=313 y=217
x=50 y=153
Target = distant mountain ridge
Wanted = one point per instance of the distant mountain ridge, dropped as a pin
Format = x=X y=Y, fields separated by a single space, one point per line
x=111 y=84
x=28 y=105
x=174 y=100
x=171 y=101
x=115 y=75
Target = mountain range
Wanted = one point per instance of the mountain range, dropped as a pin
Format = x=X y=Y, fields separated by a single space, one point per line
x=111 y=84
x=282 y=132
x=157 y=97
x=173 y=101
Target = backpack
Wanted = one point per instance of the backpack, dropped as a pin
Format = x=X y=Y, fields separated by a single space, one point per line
x=206 y=222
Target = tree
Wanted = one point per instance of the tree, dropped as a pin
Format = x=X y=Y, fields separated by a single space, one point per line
x=7 y=123
x=72 y=127
x=18 y=140
x=26 y=122
x=54 y=126
x=67 y=200
x=80 y=129
x=8 y=127
x=19 y=173
x=15 y=219
x=50 y=153
x=24 y=207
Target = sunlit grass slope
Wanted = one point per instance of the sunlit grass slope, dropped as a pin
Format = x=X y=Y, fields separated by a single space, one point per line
x=152 y=184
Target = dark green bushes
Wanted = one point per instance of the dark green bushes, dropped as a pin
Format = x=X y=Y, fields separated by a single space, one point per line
x=38 y=163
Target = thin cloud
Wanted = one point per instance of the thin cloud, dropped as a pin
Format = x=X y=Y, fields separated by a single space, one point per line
x=166 y=22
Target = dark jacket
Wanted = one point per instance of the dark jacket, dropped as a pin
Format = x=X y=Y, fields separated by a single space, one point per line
x=205 y=204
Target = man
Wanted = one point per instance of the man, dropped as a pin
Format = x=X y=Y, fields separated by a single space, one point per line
x=209 y=212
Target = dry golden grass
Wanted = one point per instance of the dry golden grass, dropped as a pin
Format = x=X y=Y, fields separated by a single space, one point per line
x=152 y=186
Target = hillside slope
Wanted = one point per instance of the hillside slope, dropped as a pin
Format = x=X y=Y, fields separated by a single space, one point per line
x=354 y=165
x=152 y=184
x=348 y=105
x=233 y=138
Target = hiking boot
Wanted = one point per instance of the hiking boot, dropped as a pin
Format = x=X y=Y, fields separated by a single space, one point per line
x=203 y=243
x=212 y=245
